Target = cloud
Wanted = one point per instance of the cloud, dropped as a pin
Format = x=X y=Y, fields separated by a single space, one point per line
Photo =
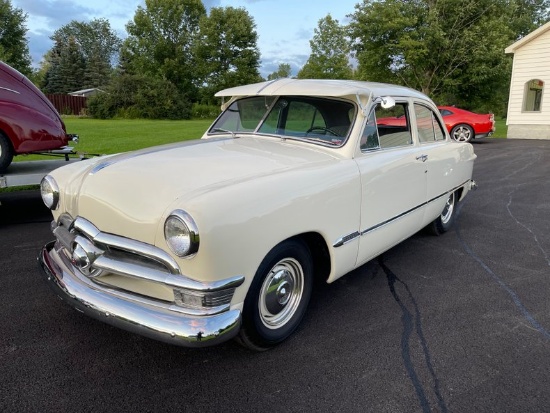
x=208 y=4
x=41 y=43
x=271 y=64
x=55 y=12
x=44 y=17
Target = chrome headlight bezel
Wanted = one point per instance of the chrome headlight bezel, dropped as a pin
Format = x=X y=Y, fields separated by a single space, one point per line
x=49 y=191
x=181 y=234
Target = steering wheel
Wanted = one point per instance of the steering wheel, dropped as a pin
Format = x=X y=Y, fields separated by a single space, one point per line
x=322 y=129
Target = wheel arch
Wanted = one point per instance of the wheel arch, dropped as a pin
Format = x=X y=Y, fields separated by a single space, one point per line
x=320 y=255
x=7 y=136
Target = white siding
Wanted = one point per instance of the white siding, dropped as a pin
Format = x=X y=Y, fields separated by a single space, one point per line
x=531 y=61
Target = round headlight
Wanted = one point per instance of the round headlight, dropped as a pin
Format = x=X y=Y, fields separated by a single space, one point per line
x=50 y=192
x=181 y=233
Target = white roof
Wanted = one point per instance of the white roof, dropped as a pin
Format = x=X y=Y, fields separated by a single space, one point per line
x=319 y=87
x=84 y=91
x=526 y=39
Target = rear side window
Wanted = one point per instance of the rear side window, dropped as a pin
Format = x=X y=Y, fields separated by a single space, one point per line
x=387 y=128
x=428 y=126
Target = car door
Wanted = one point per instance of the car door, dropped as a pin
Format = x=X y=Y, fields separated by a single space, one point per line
x=441 y=159
x=393 y=180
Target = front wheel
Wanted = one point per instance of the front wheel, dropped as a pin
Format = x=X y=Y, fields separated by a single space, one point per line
x=444 y=221
x=462 y=133
x=6 y=153
x=278 y=296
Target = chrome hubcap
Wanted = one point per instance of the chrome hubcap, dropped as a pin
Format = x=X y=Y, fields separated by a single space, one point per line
x=281 y=293
x=448 y=210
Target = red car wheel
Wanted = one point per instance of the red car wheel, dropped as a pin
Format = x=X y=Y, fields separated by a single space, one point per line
x=462 y=133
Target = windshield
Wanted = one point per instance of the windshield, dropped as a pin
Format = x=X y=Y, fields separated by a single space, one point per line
x=318 y=120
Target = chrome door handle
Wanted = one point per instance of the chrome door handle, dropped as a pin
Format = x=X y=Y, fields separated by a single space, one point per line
x=422 y=158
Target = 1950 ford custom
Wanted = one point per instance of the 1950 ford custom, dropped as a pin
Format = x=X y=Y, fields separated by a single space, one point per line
x=199 y=242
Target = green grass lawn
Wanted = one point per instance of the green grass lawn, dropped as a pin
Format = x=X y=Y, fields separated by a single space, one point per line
x=501 y=129
x=98 y=136
x=121 y=135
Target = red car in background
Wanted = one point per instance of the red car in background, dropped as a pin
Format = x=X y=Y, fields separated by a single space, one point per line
x=464 y=126
x=29 y=123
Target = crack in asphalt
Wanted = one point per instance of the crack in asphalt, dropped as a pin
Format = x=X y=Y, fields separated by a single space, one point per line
x=513 y=295
x=413 y=323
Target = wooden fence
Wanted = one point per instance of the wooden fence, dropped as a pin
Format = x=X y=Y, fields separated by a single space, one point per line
x=67 y=104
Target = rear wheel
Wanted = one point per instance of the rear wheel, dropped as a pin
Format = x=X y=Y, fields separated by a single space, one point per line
x=6 y=153
x=278 y=296
x=444 y=221
x=462 y=133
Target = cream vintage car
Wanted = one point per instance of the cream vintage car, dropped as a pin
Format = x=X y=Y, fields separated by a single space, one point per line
x=198 y=242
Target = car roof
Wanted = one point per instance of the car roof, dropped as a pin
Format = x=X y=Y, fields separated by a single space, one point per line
x=320 y=87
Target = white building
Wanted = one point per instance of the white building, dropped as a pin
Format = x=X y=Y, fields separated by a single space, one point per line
x=529 y=103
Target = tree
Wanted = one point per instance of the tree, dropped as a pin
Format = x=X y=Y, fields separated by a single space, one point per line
x=282 y=71
x=98 y=44
x=14 y=49
x=226 y=50
x=160 y=41
x=66 y=68
x=330 y=52
x=452 y=50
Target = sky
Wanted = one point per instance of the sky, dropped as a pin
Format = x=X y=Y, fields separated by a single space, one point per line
x=284 y=27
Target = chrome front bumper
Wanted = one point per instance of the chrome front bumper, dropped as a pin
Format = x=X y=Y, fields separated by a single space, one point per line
x=132 y=313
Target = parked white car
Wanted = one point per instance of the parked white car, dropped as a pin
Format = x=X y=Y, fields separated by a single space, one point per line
x=199 y=242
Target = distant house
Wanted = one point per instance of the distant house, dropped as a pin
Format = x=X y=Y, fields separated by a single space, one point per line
x=86 y=92
x=529 y=103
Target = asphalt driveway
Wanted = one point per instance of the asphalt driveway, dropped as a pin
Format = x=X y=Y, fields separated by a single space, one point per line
x=456 y=323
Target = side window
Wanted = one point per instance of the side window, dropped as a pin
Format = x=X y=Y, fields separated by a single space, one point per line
x=387 y=128
x=369 y=139
x=429 y=128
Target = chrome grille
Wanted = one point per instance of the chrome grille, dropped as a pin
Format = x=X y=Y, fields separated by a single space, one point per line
x=94 y=254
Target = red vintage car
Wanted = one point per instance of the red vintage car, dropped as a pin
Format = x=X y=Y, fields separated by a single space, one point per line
x=464 y=126
x=29 y=123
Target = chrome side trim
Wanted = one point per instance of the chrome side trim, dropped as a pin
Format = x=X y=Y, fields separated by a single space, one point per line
x=366 y=231
x=10 y=90
x=150 y=318
x=347 y=238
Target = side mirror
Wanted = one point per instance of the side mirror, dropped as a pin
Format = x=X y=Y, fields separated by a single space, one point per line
x=387 y=102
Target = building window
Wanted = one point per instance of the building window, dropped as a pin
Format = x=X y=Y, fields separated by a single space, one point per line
x=533 y=95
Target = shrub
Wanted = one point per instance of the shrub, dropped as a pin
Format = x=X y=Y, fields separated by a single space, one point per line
x=139 y=96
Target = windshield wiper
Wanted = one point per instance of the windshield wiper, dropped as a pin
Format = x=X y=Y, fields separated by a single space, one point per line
x=321 y=140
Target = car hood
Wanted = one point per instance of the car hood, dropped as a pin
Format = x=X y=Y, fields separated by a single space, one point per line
x=132 y=191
